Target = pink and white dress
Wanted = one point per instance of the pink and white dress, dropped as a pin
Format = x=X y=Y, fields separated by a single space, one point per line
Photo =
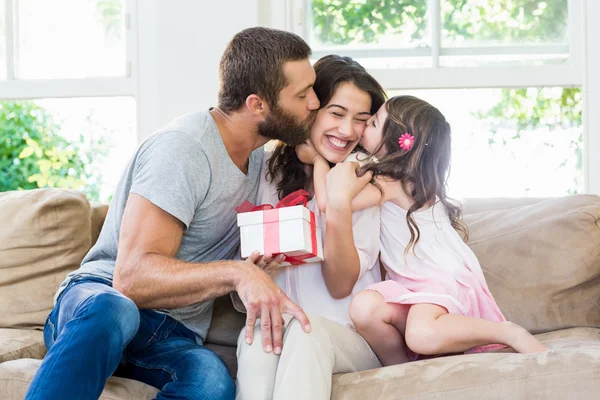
x=442 y=270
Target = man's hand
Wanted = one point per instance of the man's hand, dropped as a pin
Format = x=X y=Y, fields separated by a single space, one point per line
x=343 y=184
x=265 y=300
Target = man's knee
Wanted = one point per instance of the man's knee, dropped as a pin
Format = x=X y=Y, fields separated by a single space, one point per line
x=207 y=378
x=114 y=315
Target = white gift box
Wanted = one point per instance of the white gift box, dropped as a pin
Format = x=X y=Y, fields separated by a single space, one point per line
x=292 y=231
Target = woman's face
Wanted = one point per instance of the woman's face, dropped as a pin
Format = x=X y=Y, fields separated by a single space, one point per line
x=340 y=124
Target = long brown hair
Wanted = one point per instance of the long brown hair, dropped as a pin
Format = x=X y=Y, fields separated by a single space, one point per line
x=423 y=169
x=332 y=70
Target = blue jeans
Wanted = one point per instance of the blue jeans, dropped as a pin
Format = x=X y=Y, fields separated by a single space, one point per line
x=94 y=332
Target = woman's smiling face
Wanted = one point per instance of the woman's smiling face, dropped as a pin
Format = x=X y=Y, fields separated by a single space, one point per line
x=340 y=124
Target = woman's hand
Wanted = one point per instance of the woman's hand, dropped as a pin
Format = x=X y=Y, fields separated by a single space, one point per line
x=307 y=153
x=343 y=184
x=269 y=264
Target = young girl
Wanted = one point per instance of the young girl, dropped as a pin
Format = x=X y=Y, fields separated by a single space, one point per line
x=435 y=299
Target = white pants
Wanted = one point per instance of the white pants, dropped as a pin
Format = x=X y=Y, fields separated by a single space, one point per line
x=306 y=364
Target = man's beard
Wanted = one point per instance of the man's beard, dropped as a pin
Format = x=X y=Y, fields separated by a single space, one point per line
x=283 y=126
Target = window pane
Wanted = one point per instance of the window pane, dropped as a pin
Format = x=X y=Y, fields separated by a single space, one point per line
x=502 y=24
x=358 y=24
x=512 y=142
x=79 y=143
x=70 y=39
x=2 y=42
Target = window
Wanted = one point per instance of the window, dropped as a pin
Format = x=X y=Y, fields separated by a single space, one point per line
x=52 y=44
x=509 y=76
x=67 y=94
x=2 y=41
x=512 y=142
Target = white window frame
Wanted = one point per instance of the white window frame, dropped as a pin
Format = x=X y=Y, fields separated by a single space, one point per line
x=584 y=57
x=13 y=89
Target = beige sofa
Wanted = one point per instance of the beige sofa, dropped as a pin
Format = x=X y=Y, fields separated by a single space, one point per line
x=541 y=259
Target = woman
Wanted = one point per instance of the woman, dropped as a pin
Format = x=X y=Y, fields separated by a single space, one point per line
x=348 y=96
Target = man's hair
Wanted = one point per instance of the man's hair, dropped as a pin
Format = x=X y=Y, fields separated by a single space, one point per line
x=253 y=64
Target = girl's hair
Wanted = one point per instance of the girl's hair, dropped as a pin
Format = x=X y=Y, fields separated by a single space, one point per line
x=423 y=169
x=332 y=70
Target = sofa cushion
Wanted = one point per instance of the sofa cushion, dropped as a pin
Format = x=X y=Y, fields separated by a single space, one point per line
x=226 y=323
x=44 y=234
x=15 y=377
x=542 y=261
x=21 y=343
x=570 y=370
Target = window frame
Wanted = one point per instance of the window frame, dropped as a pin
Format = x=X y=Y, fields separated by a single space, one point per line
x=584 y=58
x=123 y=86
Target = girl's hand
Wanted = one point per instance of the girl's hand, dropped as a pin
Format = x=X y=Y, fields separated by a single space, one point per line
x=307 y=153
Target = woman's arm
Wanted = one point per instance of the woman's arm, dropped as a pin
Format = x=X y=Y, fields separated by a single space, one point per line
x=341 y=268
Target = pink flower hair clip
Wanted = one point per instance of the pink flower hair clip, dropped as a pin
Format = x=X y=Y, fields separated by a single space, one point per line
x=406 y=141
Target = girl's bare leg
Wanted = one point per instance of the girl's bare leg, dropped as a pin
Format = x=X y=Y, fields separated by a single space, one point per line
x=430 y=330
x=380 y=323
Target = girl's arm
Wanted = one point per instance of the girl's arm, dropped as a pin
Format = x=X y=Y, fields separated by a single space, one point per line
x=308 y=155
x=368 y=197
x=320 y=171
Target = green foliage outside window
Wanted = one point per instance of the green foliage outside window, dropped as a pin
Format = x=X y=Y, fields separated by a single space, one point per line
x=34 y=155
x=340 y=22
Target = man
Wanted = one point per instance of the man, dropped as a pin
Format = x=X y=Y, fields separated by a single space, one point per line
x=141 y=303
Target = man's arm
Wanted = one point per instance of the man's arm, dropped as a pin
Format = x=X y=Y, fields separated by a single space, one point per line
x=148 y=273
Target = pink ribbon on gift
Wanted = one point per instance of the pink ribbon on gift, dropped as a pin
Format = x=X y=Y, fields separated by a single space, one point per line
x=271 y=225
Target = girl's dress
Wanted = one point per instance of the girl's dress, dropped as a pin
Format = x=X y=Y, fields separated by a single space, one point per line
x=442 y=270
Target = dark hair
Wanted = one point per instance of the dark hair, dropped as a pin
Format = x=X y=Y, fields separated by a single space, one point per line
x=423 y=169
x=331 y=71
x=253 y=64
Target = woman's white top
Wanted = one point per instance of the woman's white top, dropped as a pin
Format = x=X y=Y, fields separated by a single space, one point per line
x=304 y=284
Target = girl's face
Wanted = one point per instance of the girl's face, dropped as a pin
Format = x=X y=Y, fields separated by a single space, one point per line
x=374 y=133
x=340 y=124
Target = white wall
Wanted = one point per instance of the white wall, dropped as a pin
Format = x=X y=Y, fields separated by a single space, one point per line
x=180 y=45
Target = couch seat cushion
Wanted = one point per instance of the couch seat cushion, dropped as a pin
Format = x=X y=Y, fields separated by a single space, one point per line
x=44 y=234
x=570 y=370
x=16 y=375
x=20 y=343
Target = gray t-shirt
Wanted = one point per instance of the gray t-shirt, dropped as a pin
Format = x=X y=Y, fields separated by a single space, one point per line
x=185 y=170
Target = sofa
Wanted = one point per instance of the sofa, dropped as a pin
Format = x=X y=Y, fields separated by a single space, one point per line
x=541 y=258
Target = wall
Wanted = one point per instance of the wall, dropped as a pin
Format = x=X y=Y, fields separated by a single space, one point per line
x=180 y=45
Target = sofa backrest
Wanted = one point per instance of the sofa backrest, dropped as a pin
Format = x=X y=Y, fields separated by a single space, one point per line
x=541 y=260
x=44 y=234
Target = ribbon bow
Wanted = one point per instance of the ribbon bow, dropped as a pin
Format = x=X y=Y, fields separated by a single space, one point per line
x=293 y=199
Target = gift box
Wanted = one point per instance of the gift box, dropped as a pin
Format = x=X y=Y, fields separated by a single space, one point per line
x=286 y=229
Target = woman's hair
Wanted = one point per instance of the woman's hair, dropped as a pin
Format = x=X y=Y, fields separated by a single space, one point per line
x=332 y=70
x=423 y=169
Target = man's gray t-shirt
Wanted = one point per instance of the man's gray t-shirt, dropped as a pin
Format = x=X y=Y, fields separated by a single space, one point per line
x=185 y=170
